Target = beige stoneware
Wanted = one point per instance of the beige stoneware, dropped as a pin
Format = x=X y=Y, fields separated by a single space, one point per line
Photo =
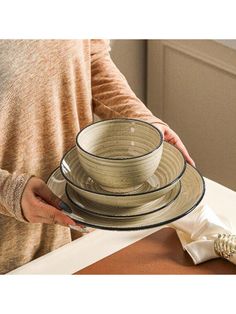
x=122 y=212
x=120 y=154
x=192 y=192
x=166 y=176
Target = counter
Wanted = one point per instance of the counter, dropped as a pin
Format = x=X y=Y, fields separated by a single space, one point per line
x=99 y=245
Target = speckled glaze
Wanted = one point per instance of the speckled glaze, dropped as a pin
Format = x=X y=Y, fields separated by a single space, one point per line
x=192 y=192
x=122 y=212
x=120 y=154
x=169 y=172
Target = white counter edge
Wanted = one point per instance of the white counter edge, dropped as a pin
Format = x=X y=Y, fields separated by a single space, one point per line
x=82 y=252
x=99 y=244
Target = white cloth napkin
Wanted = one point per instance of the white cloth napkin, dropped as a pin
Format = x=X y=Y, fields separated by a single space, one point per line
x=198 y=231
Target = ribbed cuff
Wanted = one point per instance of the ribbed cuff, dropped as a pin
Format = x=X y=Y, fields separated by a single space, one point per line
x=15 y=192
x=158 y=121
x=150 y=118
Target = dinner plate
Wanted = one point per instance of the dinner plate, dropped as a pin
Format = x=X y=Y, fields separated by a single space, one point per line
x=192 y=192
x=168 y=173
x=121 y=212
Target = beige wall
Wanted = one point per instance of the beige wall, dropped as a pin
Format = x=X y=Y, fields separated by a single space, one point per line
x=228 y=43
x=192 y=86
x=130 y=57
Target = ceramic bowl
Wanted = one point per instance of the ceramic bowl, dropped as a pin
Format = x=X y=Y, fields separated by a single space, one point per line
x=120 y=154
x=169 y=172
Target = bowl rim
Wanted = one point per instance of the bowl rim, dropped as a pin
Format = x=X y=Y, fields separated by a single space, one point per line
x=122 y=120
x=126 y=195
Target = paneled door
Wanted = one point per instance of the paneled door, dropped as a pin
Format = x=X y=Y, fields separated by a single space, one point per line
x=192 y=86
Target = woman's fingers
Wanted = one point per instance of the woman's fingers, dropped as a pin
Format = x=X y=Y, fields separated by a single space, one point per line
x=43 y=191
x=40 y=205
x=179 y=144
x=46 y=194
x=50 y=214
x=171 y=137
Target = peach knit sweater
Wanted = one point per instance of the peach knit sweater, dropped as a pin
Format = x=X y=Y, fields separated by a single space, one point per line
x=49 y=90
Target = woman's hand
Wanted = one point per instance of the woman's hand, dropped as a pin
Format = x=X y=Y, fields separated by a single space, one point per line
x=171 y=137
x=40 y=205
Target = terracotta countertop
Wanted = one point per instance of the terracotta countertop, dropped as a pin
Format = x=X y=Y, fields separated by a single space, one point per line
x=158 y=253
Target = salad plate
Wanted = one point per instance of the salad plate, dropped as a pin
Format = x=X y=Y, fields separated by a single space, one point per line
x=119 y=212
x=192 y=192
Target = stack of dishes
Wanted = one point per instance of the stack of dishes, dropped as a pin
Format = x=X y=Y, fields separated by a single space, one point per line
x=121 y=175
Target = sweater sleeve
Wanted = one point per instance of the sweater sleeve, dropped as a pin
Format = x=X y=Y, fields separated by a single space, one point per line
x=112 y=95
x=11 y=189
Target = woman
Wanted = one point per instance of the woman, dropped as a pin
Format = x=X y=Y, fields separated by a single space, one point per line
x=49 y=90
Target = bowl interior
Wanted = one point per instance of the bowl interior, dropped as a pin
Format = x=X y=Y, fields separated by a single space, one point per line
x=170 y=169
x=119 y=139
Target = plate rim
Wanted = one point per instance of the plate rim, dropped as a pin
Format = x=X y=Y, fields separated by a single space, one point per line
x=122 y=217
x=127 y=195
x=147 y=226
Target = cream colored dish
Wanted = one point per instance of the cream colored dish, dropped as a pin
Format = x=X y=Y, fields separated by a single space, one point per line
x=120 y=154
x=169 y=172
x=192 y=192
x=122 y=212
